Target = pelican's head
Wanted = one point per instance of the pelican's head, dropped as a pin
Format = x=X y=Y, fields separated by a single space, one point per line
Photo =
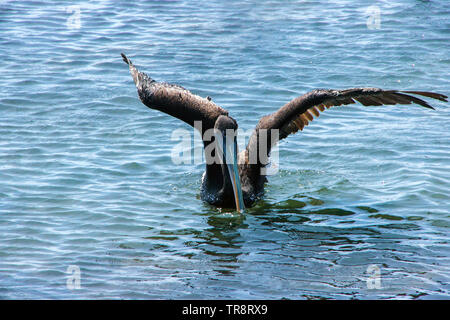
x=225 y=131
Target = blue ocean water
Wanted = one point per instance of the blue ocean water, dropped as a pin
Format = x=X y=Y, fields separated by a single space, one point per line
x=87 y=182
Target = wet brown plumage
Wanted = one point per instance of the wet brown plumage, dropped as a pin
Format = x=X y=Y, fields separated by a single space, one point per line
x=289 y=119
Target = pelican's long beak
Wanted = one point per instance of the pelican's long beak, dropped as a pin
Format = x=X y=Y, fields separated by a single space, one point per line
x=233 y=171
x=230 y=151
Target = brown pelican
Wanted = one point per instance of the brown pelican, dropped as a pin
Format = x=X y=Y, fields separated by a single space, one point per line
x=238 y=181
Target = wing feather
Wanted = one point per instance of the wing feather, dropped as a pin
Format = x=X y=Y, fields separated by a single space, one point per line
x=299 y=112
x=175 y=100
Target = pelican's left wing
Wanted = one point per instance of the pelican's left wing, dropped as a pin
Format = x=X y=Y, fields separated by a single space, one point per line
x=299 y=112
x=175 y=100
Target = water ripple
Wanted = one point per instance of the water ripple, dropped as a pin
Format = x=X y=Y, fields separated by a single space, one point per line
x=87 y=179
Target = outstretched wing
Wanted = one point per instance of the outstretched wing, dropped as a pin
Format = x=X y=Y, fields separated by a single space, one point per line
x=175 y=100
x=299 y=112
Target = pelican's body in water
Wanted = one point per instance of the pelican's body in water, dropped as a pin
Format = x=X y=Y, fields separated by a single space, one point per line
x=236 y=180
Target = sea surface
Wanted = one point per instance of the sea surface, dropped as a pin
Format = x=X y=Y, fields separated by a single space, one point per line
x=92 y=205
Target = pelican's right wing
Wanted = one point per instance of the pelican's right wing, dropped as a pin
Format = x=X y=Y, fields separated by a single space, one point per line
x=299 y=112
x=175 y=100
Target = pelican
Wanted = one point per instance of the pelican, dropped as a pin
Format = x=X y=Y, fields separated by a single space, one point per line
x=237 y=181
